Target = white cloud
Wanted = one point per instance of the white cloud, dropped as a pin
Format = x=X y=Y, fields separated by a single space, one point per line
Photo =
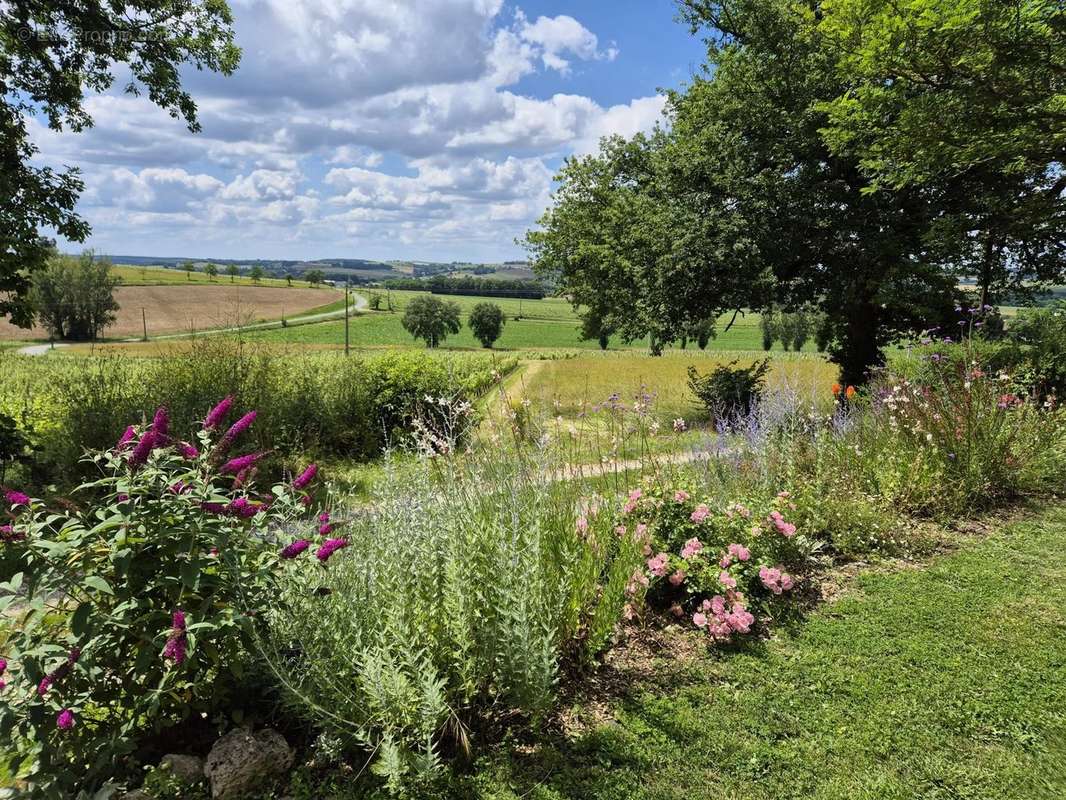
x=382 y=129
x=557 y=36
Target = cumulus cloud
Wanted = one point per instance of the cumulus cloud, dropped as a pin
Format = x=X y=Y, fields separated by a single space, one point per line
x=352 y=127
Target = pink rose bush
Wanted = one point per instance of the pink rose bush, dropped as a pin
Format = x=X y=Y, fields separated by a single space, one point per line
x=165 y=577
x=718 y=564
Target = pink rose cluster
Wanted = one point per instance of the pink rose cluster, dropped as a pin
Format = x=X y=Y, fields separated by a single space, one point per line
x=658 y=565
x=775 y=579
x=700 y=514
x=735 y=552
x=786 y=529
x=631 y=502
x=722 y=618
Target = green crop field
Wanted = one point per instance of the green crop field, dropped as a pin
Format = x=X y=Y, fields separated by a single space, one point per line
x=160 y=276
x=531 y=324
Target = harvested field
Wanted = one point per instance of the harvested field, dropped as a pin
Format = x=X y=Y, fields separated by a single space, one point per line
x=174 y=309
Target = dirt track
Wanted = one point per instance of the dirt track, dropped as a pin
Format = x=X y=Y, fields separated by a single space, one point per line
x=176 y=309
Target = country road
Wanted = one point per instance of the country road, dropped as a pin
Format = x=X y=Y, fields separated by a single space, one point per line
x=359 y=304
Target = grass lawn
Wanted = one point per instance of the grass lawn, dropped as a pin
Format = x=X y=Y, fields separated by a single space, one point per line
x=941 y=682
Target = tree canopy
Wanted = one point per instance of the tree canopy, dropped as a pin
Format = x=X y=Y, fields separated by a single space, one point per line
x=75 y=297
x=51 y=55
x=486 y=323
x=430 y=319
x=749 y=198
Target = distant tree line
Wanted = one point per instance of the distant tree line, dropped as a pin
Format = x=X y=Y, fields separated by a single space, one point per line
x=477 y=287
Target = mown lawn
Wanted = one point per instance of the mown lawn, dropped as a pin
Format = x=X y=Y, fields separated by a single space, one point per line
x=934 y=683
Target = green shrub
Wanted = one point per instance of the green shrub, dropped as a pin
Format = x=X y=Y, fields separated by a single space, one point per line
x=323 y=403
x=138 y=612
x=1040 y=335
x=729 y=390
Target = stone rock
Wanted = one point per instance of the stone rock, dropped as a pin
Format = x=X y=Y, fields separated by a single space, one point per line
x=242 y=761
x=187 y=769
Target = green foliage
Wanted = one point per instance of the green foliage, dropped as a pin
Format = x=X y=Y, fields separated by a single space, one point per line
x=486 y=322
x=233 y=271
x=136 y=613
x=46 y=71
x=353 y=407
x=431 y=319
x=466 y=587
x=729 y=390
x=1041 y=338
x=211 y=271
x=256 y=273
x=75 y=298
x=314 y=276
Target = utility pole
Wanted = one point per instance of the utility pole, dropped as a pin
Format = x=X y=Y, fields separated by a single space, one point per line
x=144 y=323
x=347 y=290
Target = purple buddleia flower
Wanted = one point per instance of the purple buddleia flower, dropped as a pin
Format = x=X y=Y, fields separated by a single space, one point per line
x=218 y=414
x=325 y=528
x=124 y=440
x=230 y=436
x=3 y=666
x=45 y=685
x=8 y=534
x=213 y=508
x=240 y=463
x=188 y=451
x=16 y=498
x=241 y=507
x=305 y=477
x=144 y=448
x=178 y=641
x=329 y=547
x=294 y=549
x=161 y=422
x=65 y=719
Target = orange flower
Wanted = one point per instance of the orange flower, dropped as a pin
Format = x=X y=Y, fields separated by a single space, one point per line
x=849 y=392
x=836 y=389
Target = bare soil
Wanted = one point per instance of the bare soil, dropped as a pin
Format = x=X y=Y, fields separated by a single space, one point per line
x=176 y=309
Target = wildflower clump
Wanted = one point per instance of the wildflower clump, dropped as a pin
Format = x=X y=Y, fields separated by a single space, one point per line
x=154 y=593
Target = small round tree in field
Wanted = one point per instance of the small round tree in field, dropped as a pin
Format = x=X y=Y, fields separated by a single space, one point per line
x=430 y=319
x=486 y=323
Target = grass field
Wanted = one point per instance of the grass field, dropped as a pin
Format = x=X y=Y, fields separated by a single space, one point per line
x=547 y=323
x=570 y=385
x=160 y=276
x=929 y=684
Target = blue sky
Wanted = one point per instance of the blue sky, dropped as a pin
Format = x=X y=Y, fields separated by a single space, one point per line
x=414 y=129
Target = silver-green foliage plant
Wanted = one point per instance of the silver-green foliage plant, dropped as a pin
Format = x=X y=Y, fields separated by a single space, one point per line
x=466 y=585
